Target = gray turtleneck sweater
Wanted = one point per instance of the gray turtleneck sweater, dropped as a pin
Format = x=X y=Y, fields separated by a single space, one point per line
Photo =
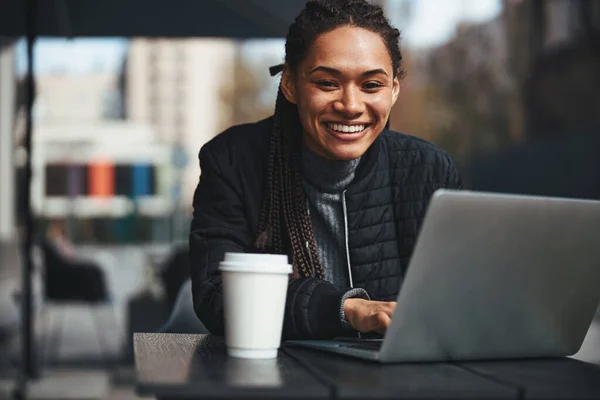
x=324 y=182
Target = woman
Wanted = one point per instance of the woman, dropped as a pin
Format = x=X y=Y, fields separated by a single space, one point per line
x=67 y=276
x=322 y=180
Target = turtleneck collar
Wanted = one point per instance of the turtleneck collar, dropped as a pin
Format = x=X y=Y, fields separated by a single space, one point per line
x=326 y=175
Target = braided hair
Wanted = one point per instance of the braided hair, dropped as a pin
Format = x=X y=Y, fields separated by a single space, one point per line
x=284 y=221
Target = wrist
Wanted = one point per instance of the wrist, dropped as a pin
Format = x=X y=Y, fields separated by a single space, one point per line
x=350 y=304
x=347 y=306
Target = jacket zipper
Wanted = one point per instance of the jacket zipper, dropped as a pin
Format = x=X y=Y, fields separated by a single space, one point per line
x=346 y=238
x=347 y=244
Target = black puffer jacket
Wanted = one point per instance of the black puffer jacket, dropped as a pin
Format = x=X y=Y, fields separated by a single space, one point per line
x=385 y=205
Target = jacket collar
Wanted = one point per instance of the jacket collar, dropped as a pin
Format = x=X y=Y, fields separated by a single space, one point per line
x=369 y=159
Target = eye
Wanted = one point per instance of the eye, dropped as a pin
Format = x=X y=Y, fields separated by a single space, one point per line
x=327 y=84
x=372 y=85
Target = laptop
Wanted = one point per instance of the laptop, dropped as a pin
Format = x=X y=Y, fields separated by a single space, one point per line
x=492 y=276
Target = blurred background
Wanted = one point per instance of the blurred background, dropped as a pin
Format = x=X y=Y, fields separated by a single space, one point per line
x=510 y=88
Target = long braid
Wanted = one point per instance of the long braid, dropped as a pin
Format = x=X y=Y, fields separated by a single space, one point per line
x=269 y=234
x=298 y=205
x=294 y=201
x=285 y=200
x=277 y=179
x=284 y=224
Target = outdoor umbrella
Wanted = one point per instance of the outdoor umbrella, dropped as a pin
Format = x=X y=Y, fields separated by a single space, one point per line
x=153 y=18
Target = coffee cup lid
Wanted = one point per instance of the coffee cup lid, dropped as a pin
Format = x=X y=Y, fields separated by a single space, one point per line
x=260 y=263
x=256 y=258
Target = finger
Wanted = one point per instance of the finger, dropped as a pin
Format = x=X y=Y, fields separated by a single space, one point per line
x=383 y=322
x=373 y=323
x=383 y=319
x=389 y=308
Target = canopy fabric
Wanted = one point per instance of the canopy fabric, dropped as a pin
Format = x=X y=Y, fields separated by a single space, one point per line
x=153 y=18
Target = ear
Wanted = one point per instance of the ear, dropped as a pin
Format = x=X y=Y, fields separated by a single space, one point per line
x=288 y=85
x=395 y=90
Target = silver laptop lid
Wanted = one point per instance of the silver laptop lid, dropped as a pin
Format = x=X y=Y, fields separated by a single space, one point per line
x=498 y=276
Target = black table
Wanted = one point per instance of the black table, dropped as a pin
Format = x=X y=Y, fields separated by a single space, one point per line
x=178 y=366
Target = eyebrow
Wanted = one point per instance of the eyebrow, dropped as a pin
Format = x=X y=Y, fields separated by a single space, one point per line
x=334 y=71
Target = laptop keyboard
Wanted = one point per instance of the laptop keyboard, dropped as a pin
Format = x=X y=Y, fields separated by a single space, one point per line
x=364 y=345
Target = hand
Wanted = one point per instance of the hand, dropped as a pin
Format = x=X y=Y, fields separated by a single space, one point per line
x=368 y=315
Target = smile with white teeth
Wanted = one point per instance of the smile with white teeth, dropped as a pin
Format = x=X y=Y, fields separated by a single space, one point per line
x=346 y=128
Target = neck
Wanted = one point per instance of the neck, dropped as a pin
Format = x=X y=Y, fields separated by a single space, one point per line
x=327 y=175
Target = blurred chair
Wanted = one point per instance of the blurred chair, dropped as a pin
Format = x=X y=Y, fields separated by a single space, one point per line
x=76 y=282
x=183 y=319
x=9 y=283
x=174 y=271
x=9 y=317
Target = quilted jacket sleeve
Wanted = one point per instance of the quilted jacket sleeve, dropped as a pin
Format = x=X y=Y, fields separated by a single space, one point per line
x=453 y=180
x=219 y=225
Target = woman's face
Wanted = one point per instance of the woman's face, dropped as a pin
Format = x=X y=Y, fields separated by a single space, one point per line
x=344 y=90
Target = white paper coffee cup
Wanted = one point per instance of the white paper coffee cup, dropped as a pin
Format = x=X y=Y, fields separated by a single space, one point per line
x=254 y=290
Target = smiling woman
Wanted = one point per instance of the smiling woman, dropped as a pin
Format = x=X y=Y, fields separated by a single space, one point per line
x=344 y=90
x=322 y=181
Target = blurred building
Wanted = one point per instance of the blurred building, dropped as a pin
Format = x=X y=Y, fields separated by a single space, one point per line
x=553 y=60
x=96 y=170
x=8 y=93
x=177 y=87
x=72 y=97
x=92 y=167
x=535 y=28
x=467 y=94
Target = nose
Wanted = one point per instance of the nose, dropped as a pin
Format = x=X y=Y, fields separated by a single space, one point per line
x=350 y=104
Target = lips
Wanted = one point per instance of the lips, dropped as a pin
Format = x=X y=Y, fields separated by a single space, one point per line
x=346 y=128
x=347 y=133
